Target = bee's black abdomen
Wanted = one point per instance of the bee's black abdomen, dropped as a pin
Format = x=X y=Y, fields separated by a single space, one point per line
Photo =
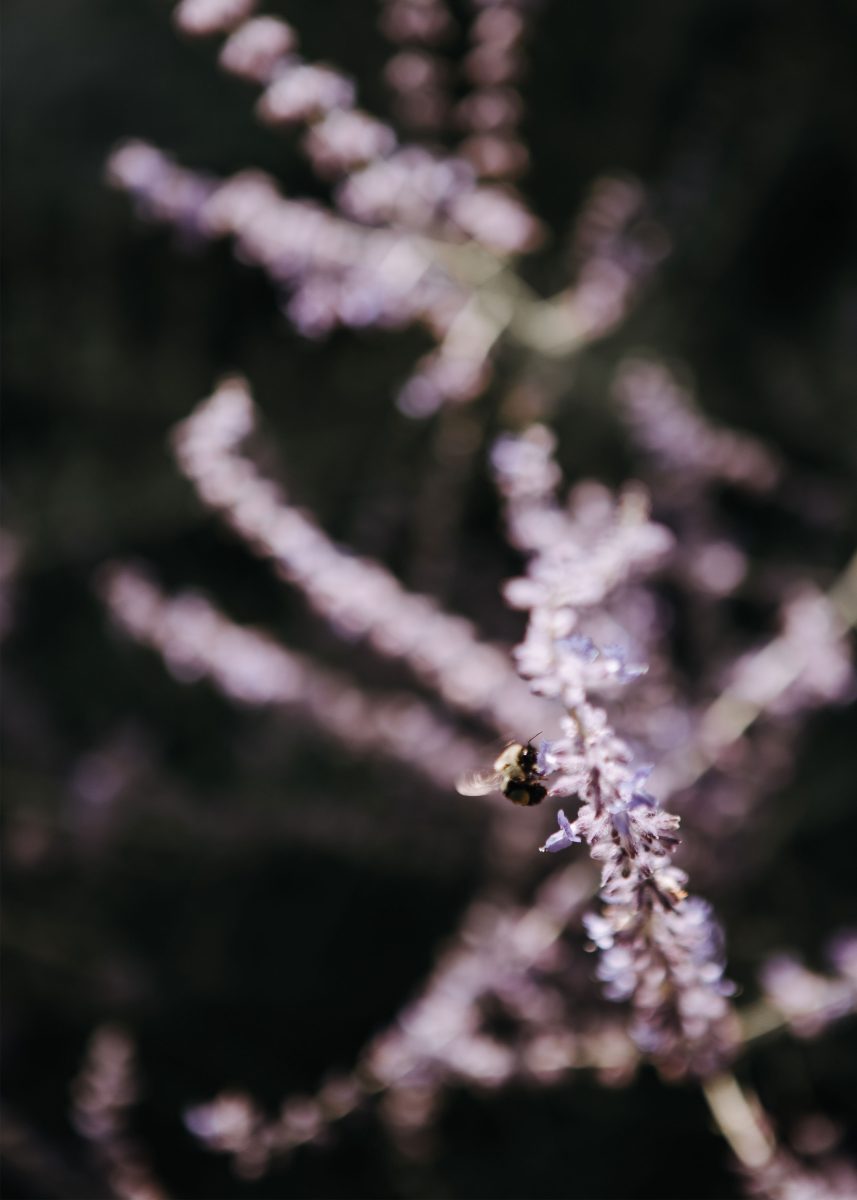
x=537 y=791
x=525 y=794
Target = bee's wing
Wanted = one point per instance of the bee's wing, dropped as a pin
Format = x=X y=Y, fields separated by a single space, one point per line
x=479 y=783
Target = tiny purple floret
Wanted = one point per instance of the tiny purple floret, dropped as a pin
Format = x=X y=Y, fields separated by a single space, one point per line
x=564 y=836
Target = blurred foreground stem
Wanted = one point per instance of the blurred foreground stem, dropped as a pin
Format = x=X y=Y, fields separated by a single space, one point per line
x=740 y=1120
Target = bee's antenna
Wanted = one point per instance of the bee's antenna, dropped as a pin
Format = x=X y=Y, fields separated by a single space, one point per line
x=533 y=738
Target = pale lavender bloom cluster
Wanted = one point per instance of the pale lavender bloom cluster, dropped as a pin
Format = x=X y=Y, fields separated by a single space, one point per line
x=303 y=93
x=344 y=142
x=442 y=229
x=256 y=48
x=615 y=248
x=806 y=666
x=423 y=22
x=417 y=75
x=250 y=667
x=337 y=272
x=200 y=18
x=431 y=205
x=161 y=190
x=808 y=1000
x=429 y=211
x=359 y=597
x=692 y=457
x=660 y=949
x=105 y=1089
x=418 y=80
x=513 y=955
x=419 y=190
x=668 y=425
x=495 y=57
x=494 y=65
x=741 y=747
x=784 y=1177
x=579 y=556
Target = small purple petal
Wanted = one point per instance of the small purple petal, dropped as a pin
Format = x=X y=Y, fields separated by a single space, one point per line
x=564 y=836
x=626 y=671
x=580 y=645
x=621 y=823
x=542 y=765
x=641 y=800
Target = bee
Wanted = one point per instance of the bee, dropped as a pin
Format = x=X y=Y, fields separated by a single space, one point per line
x=515 y=773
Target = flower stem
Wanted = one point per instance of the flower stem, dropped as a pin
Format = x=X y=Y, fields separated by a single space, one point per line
x=739 y=1119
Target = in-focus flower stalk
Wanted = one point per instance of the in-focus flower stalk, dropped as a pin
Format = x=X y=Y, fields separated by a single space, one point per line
x=660 y=949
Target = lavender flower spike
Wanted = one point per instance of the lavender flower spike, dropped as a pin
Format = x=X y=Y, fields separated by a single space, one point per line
x=660 y=950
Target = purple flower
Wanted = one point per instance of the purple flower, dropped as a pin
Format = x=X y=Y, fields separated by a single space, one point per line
x=659 y=948
x=564 y=836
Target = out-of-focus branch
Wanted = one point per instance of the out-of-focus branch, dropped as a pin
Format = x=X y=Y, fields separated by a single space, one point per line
x=197 y=641
x=769 y=1170
x=103 y=1093
x=504 y=952
x=359 y=598
x=813 y=637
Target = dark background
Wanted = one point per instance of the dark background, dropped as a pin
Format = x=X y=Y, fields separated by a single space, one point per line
x=239 y=946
